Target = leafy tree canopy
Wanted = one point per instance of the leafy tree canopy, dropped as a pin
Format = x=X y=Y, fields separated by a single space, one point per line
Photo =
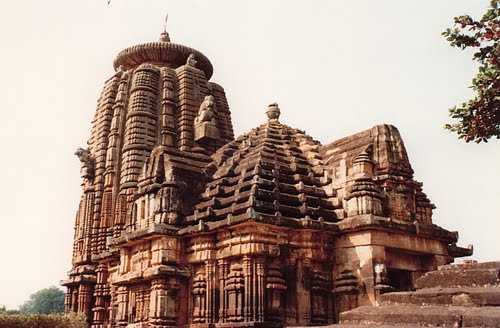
x=45 y=301
x=479 y=118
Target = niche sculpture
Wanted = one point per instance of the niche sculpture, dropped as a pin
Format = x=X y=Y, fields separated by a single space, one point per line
x=205 y=127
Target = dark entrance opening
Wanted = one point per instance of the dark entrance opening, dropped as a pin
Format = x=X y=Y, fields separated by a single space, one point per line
x=400 y=279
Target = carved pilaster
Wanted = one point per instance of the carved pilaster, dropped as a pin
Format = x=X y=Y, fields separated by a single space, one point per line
x=101 y=296
x=67 y=300
x=222 y=291
x=260 y=287
x=199 y=296
x=320 y=296
x=85 y=299
x=74 y=300
x=234 y=288
x=303 y=292
x=211 y=297
x=122 y=311
x=146 y=294
x=112 y=306
x=345 y=292
x=168 y=134
x=247 y=274
x=163 y=303
x=276 y=293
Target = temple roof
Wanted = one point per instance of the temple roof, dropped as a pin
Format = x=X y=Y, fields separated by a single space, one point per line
x=274 y=170
x=161 y=52
x=388 y=150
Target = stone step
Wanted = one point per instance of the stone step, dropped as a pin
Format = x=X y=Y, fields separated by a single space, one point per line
x=371 y=326
x=453 y=316
x=463 y=296
x=461 y=275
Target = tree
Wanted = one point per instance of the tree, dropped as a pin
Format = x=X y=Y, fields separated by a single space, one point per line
x=4 y=310
x=45 y=301
x=478 y=119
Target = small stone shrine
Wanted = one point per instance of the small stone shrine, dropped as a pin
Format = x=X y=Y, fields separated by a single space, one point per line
x=182 y=225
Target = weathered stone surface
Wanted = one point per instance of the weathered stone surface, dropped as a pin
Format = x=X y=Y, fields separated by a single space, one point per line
x=466 y=275
x=371 y=325
x=181 y=225
x=478 y=296
x=424 y=316
x=452 y=306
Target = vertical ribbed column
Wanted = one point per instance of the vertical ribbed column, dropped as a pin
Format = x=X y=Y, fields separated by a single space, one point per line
x=260 y=286
x=113 y=155
x=222 y=264
x=81 y=232
x=162 y=307
x=247 y=274
x=303 y=292
x=211 y=291
x=224 y=123
x=74 y=300
x=122 y=311
x=192 y=88
x=98 y=148
x=85 y=299
x=86 y=216
x=67 y=300
x=100 y=294
x=140 y=131
x=168 y=135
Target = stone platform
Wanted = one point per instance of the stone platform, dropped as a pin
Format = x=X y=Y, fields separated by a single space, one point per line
x=458 y=295
x=434 y=316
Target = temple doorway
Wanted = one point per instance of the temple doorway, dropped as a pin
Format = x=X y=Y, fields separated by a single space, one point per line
x=401 y=280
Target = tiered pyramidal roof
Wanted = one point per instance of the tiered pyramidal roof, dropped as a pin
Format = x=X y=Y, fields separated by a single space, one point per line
x=273 y=172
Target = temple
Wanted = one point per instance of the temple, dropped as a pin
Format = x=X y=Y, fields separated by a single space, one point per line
x=182 y=225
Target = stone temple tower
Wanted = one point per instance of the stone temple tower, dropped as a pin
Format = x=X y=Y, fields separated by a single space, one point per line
x=180 y=224
x=150 y=105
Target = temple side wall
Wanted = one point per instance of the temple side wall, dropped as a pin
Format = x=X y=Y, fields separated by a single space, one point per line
x=361 y=252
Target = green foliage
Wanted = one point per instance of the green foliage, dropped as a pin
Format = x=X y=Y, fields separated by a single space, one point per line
x=45 y=301
x=479 y=118
x=42 y=321
x=4 y=310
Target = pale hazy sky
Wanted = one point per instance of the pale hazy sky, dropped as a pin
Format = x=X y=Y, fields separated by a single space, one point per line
x=334 y=67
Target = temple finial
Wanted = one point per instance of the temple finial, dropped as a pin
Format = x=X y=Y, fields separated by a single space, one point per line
x=273 y=112
x=164 y=37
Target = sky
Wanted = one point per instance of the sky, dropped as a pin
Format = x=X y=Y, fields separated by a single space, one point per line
x=334 y=67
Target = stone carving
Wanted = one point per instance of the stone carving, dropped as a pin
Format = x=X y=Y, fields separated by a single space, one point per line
x=276 y=293
x=87 y=163
x=206 y=113
x=273 y=112
x=364 y=196
x=181 y=225
x=199 y=297
x=191 y=60
x=381 y=279
x=205 y=125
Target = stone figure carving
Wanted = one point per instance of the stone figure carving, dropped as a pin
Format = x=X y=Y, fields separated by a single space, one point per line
x=380 y=273
x=381 y=279
x=87 y=163
x=191 y=60
x=83 y=155
x=206 y=113
x=205 y=126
